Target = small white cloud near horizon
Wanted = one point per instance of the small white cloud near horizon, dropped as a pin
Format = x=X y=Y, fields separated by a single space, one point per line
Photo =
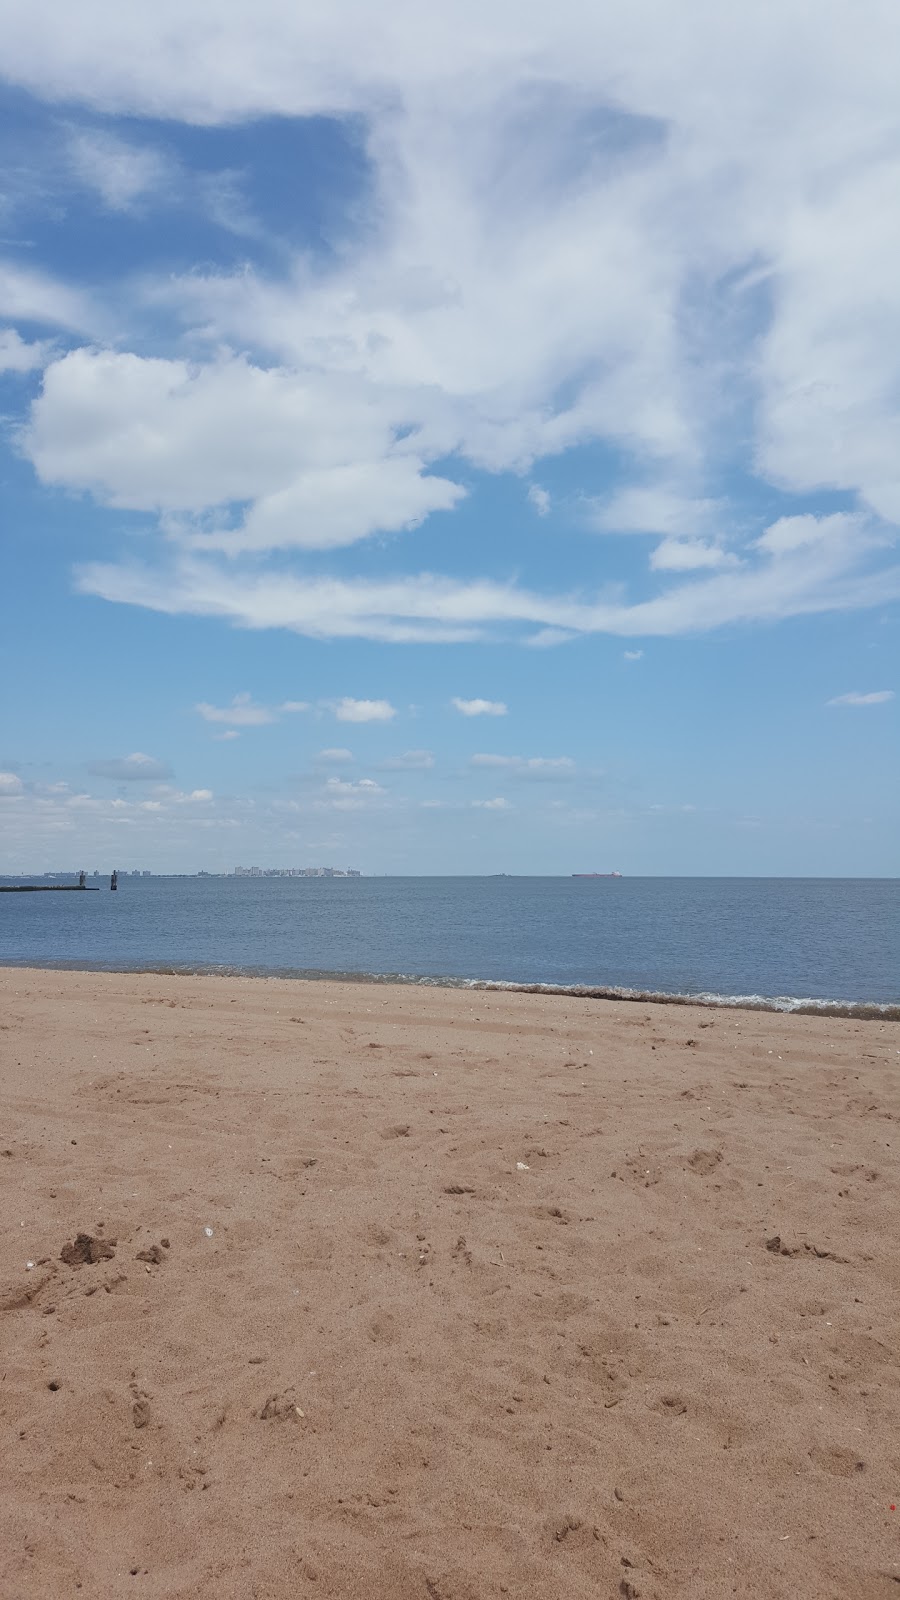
x=230 y=733
x=632 y=655
x=540 y=499
x=245 y=713
x=498 y=804
x=877 y=697
x=333 y=758
x=409 y=761
x=10 y=784
x=342 y=795
x=350 y=710
x=480 y=708
x=134 y=768
x=527 y=766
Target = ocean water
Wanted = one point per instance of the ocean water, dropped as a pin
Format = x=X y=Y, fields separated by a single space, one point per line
x=776 y=940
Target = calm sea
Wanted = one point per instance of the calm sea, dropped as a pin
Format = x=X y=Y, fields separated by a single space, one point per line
x=776 y=940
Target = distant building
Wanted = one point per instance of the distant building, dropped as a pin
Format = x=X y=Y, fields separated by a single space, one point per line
x=294 y=872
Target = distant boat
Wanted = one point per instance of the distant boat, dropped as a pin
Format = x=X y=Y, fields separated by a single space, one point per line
x=596 y=874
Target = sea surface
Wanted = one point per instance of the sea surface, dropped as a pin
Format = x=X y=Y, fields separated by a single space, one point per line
x=775 y=941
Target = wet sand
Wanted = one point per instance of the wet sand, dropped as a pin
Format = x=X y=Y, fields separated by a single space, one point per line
x=420 y=1294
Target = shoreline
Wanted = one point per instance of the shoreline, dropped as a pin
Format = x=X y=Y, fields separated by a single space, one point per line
x=406 y=1292
x=782 y=1005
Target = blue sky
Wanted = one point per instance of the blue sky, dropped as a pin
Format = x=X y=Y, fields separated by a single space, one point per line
x=450 y=443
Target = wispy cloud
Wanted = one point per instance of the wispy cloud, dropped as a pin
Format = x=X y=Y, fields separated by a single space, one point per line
x=527 y=766
x=243 y=712
x=828 y=564
x=121 y=172
x=497 y=804
x=687 y=555
x=334 y=758
x=17 y=355
x=539 y=499
x=340 y=795
x=632 y=655
x=136 y=768
x=876 y=697
x=481 y=708
x=409 y=761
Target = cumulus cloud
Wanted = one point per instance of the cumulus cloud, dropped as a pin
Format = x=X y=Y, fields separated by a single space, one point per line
x=313 y=455
x=876 y=697
x=540 y=499
x=480 y=708
x=350 y=710
x=10 y=784
x=243 y=711
x=136 y=768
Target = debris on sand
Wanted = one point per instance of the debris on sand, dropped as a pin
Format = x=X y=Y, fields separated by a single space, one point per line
x=87 y=1250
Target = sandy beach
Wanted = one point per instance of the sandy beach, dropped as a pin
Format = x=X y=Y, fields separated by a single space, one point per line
x=424 y=1294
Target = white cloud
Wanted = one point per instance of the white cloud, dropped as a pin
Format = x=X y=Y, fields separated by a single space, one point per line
x=580 y=228
x=349 y=710
x=498 y=804
x=230 y=733
x=136 y=768
x=480 y=708
x=313 y=454
x=549 y=638
x=340 y=795
x=332 y=506
x=685 y=555
x=29 y=295
x=334 y=758
x=121 y=173
x=653 y=509
x=877 y=697
x=834 y=572
x=10 y=784
x=528 y=766
x=409 y=761
x=540 y=499
x=245 y=713
x=632 y=655
x=17 y=355
x=790 y=534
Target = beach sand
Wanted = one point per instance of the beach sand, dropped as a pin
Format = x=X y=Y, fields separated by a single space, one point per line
x=432 y=1294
